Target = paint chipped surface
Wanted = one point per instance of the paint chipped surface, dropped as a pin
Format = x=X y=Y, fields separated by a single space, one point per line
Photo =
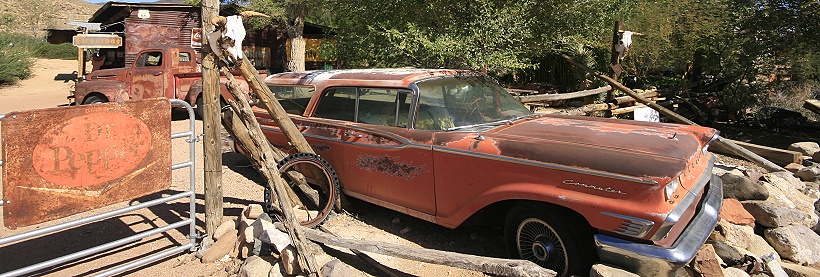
x=392 y=166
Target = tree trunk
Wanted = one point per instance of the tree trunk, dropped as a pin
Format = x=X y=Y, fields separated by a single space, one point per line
x=297 y=42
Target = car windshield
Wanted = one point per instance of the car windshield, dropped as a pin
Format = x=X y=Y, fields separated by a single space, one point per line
x=461 y=102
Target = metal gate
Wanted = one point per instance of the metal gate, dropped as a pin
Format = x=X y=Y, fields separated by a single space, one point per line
x=87 y=157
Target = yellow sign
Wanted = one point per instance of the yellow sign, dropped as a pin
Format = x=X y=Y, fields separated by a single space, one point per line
x=97 y=41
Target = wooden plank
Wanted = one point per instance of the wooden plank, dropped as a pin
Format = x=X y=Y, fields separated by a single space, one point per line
x=493 y=266
x=812 y=105
x=561 y=96
x=778 y=156
x=628 y=99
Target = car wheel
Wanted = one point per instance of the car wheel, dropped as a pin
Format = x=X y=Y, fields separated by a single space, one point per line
x=93 y=99
x=543 y=235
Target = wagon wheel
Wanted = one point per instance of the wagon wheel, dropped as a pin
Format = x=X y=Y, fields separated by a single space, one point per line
x=308 y=214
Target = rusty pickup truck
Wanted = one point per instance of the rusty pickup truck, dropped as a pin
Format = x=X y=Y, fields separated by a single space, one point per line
x=170 y=71
x=453 y=147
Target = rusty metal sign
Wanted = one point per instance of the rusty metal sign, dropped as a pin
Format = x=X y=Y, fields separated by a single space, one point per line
x=62 y=161
x=97 y=41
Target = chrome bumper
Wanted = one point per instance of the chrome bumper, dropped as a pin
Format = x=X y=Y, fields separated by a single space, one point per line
x=651 y=260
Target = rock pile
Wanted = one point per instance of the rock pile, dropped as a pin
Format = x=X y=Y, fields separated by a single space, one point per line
x=266 y=251
x=769 y=222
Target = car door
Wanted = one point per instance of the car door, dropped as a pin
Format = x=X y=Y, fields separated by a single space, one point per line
x=147 y=79
x=381 y=165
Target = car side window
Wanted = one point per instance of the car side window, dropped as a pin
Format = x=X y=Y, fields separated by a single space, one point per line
x=337 y=103
x=149 y=59
x=433 y=113
x=293 y=99
x=385 y=107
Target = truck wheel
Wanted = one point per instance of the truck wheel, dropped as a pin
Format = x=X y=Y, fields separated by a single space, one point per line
x=541 y=234
x=93 y=99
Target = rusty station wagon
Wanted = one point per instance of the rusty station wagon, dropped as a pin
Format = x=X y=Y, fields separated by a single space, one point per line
x=453 y=147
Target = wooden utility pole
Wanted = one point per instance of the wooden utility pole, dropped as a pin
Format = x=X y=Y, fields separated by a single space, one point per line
x=614 y=61
x=211 y=123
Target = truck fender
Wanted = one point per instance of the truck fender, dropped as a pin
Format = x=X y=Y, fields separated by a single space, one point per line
x=113 y=91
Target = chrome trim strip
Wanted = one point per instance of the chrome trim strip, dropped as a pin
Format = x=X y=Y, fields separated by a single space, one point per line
x=652 y=260
x=547 y=165
x=685 y=203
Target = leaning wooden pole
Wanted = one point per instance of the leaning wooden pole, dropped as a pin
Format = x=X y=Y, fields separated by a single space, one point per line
x=211 y=123
x=261 y=149
x=740 y=151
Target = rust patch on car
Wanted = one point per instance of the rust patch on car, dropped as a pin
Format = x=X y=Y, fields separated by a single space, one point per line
x=389 y=166
x=320 y=147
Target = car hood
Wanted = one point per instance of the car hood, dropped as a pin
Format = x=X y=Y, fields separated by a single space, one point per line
x=624 y=147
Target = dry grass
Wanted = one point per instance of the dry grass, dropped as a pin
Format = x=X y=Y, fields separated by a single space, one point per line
x=791 y=98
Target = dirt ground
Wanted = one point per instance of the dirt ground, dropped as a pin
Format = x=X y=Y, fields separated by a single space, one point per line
x=240 y=188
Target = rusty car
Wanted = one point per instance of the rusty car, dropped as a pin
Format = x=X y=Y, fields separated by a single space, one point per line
x=453 y=147
x=170 y=71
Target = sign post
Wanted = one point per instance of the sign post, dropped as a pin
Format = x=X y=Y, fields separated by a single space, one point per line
x=84 y=41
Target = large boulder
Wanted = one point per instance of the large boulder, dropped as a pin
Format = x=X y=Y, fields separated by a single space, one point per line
x=732 y=234
x=772 y=213
x=733 y=211
x=785 y=181
x=795 y=242
x=809 y=173
x=792 y=198
x=806 y=148
x=742 y=188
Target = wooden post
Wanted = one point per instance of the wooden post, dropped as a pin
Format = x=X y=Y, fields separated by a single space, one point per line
x=740 y=151
x=80 y=64
x=211 y=123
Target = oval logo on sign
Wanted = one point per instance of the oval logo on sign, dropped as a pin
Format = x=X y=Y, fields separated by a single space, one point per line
x=92 y=149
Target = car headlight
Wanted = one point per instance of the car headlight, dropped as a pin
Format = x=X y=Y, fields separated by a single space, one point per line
x=670 y=188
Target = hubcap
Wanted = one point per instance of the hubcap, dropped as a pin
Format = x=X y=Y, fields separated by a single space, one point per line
x=539 y=243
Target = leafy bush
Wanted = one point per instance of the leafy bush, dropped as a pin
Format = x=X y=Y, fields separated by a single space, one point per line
x=45 y=50
x=15 y=58
x=15 y=64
